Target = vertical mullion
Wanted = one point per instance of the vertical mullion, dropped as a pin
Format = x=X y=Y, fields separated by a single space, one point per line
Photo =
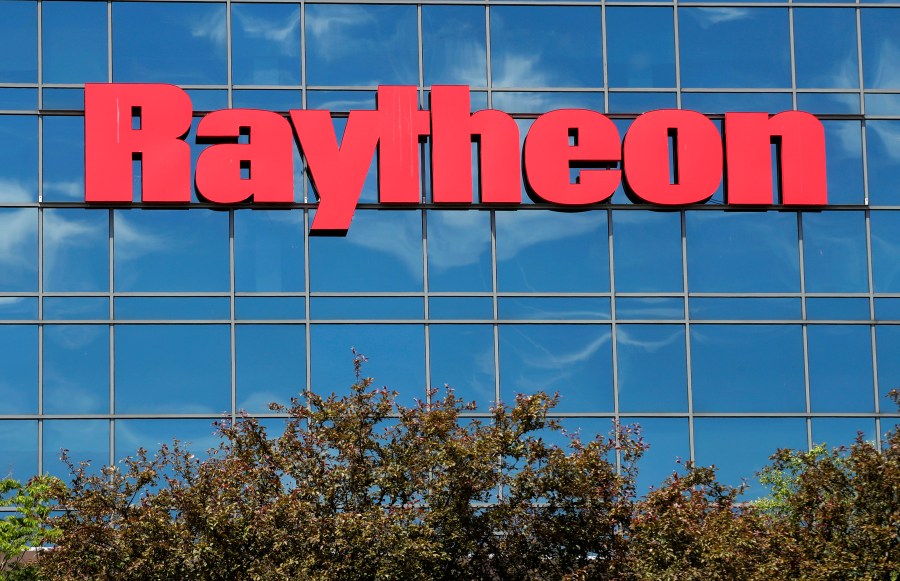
x=687 y=332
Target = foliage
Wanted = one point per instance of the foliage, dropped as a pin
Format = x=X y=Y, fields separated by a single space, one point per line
x=26 y=527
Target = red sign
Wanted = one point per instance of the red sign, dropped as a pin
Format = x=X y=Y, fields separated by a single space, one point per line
x=668 y=157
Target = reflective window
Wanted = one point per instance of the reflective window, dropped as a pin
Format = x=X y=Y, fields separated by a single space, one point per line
x=839 y=309
x=63 y=99
x=462 y=356
x=647 y=247
x=652 y=368
x=76 y=369
x=340 y=100
x=360 y=308
x=725 y=102
x=182 y=43
x=73 y=35
x=880 y=47
x=543 y=101
x=18 y=42
x=453 y=41
x=883 y=157
x=742 y=252
x=669 y=442
x=885 y=227
x=887 y=342
x=834 y=252
x=270 y=308
x=541 y=46
x=356 y=44
x=18 y=308
x=843 y=150
x=83 y=440
x=459 y=251
x=63 y=161
x=265 y=44
x=369 y=192
x=19 y=362
x=268 y=251
x=546 y=251
x=826 y=65
x=840 y=368
x=828 y=103
x=745 y=309
x=18 y=249
x=841 y=431
x=641 y=47
x=553 y=308
x=18 y=449
x=382 y=251
x=76 y=250
x=640 y=102
x=720 y=47
x=460 y=308
x=883 y=104
x=208 y=99
x=575 y=360
x=636 y=308
x=76 y=308
x=18 y=158
x=171 y=250
x=172 y=369
x=747 y=368
x=198 y=436
x=163 y=308
x=270 y=365
x=18 y=99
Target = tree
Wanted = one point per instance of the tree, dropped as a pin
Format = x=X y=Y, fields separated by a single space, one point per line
x=26 y=528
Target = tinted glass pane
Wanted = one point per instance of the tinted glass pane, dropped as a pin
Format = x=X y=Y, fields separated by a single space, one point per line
x=270 y=308
x=76 y=369
x=640 y=102
x=649 y=308
x=841 y=431
x=880 y=47
x=19 y=362
x=359 y=308
x=76 y=308
x=271 y=99
x=742 y=252
x=460 y=308
x=652 y=368
x=18 y=42
x=65 y=99
x=340 y=100
x=726 y=102
x=885 y=249
x=647 y=248
x=883 y=157
x=453 y=41
x=834 y=252
x=828 y=103
x=63 y=159
x=462 y=356
x=720 y=47
x=722 y=309
x=196 y=377
x=552 y=251
x=171 y=250
x=459 y=251
x=198 y=436
x=575 y=360
x=669 y=442
x=76 y=250
x=544 y=308
x=268 y=251
x=265 y=44
x=354 y=44
x=839 y=309
x=18 y=158
x=74 y=42
x=887 y=341
x=166 y=42
x=540 y=46
x=18 y=449
x=18 y=99
x=641 y=45
x=831 y=64
x=747 y=368
x=543 y=101
x=270 y=365
x=883 y=104
x=84 y=441
x=843 y=150
x=18 y=249
x=382 y=251
x=18 y=308
x=161 y=308
x=840 y=368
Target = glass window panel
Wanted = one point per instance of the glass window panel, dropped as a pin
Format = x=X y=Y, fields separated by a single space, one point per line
x=543 y=46
x=366 y=308
x=725 y=102
x=196 y=376
x=652 y=368
x=19 y=362
x=161 y=308
x=84 y=441
x=76 y=308
x=887 y=309
x=880 y=47
x=669 y=442
x=649 y=308
x=171 y=250
x=76 y=369
x=883 y=159
x=18 y=158
x=268 y=251
x=843 y=149
x=883 y=104
x=18 y=449
x=382 y=251
x=18 y=308
x=543 y=101
x=74 y=42
x=462 y=356
x=76 y=250
x=740 y=447
x=841 y=431
x=575 y=360
x=720 y=47
x=647 y=249
x=747 y=368
x=18 y=99
x=835 y=103
x=459 y=251
x=270 y=365
x=826 y=65
x=454 y=47
x=356 y=44
x=530 y=245
x=63 y=159
x=208 y=99
x=838 y=309
x=265 y=44
x=742 y=252
x=178 y=42
x=63 y=99
x=640 y=102
x=460 y=308
x=268 y=99
x=18 y=42
x=834 y=252
x=887 y=345
x=641 y=45
x=547 y=308
x=369 y=193
x=198 y=435
x=885 y=227
x=340 y=101
x=840 y=368
x=396 y=355
x=18 y=249
x=270 y=308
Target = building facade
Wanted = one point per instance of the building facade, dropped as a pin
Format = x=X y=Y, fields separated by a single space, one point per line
x=726 y=334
